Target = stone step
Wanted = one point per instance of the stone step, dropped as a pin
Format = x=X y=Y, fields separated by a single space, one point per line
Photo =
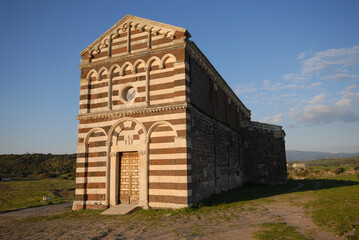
x=120 y=209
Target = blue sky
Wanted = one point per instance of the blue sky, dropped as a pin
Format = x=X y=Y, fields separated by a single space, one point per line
x=293 y=63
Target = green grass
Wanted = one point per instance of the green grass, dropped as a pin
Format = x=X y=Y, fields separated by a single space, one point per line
x=278 y=231
x=337 y=206
x=333 y=202
x=24 y=193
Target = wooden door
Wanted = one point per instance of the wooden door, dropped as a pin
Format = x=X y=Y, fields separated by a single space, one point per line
x=129 y=178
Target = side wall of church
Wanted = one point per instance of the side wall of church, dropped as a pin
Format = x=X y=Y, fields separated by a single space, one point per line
x=225 y=152
x=215 y=139
x=216 y=161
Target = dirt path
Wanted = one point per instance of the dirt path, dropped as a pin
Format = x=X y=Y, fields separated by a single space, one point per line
x=231 y=223
x=39 y=211
x=296 y=217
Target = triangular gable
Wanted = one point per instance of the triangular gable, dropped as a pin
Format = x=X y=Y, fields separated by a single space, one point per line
x=142 y=24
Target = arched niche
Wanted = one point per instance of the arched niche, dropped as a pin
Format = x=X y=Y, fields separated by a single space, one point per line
x=169 y=59
x=93 y=150
x=91 y=77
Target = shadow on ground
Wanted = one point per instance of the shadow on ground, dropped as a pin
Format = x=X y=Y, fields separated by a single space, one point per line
x=254 y=191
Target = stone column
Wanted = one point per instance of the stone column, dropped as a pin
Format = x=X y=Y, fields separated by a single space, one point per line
x=147 y=69
x=109 y=104
x=109 y=48
x=114 y=178
x=129 y=38
x=144 y=181
x=149 y=39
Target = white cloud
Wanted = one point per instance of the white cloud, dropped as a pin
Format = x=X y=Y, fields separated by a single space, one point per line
x=319 y=109
x=348 y=97
x=287 y=97
x=323 y=114
x=342 y=76
x=294 y=112
x=344 y=102
x=316 y=84
x=348 y=90
x=320 y=98
x=297 y=78
x=242 y=89
x=333 y=64
x=273 y=119
x=303 y=55
x=331 y=59
x=276 y=86
x=338 y=66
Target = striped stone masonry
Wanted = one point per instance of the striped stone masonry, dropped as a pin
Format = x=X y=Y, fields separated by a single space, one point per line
x=146 y=135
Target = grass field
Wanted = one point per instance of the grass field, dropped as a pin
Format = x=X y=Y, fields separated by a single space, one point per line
x=337 y=206
x=330 y=200
x=28 y=192
x=333 y=203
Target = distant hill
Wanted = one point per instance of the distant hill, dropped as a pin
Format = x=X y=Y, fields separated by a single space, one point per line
x=294 y=155
x=49 y=165
x=336 y=162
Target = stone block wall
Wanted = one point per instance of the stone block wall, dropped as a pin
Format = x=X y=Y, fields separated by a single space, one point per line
x=215 y=154
x=227 y=148
x=264 y=153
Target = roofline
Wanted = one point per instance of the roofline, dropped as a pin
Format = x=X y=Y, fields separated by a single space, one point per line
x=219 y=77
x=127 y=17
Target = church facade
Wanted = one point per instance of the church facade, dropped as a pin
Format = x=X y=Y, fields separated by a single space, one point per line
x=159 y=127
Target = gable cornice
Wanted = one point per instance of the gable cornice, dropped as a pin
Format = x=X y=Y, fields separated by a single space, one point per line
x=142 y=24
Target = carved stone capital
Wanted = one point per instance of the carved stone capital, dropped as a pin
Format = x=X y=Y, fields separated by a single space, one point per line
x=142 y=153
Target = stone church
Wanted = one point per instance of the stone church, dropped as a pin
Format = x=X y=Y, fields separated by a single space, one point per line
x=158 y=125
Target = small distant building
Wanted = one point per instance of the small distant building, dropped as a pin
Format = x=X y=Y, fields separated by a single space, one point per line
x=46 y=198
x=5 y=179
x=298 y=165
x=158 y=125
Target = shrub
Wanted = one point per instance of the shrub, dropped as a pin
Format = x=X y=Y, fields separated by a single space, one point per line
x=302 y=172
x=51 y=175
x=42 y=175
x=338 y=170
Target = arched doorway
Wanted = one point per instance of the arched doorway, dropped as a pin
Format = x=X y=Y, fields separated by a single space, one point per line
x=128 y=160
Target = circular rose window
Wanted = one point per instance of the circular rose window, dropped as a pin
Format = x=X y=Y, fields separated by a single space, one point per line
x=128 y=94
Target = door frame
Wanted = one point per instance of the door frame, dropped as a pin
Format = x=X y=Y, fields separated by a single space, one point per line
x=114 y=175
x=119 y=157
